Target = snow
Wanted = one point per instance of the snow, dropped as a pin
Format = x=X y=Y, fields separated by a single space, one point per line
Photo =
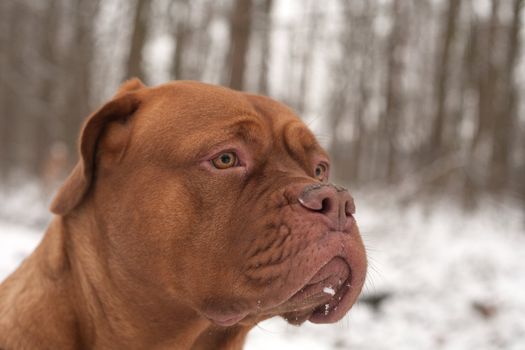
x=438 y=279
x=329 y=290
x=16 y=242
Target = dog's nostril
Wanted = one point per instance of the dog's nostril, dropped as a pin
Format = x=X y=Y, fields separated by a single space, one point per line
x=349 y=208
x=326 y=205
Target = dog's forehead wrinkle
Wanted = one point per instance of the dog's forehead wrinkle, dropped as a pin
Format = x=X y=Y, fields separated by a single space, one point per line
x=298 y=137
x=248 y=130
x=300 y=144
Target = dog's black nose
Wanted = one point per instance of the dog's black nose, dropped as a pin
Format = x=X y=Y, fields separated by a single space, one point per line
x=333 y=201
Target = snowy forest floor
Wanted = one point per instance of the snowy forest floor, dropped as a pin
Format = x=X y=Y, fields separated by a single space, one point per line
x=438 y=278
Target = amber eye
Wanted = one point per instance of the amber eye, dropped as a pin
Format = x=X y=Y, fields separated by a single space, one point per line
x=225 y=160
x=320 y=171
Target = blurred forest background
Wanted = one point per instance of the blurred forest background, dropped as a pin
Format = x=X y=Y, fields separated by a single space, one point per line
x=420 y=95
x=420 y=103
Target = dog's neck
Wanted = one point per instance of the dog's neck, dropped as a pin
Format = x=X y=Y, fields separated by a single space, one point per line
x=80 y=302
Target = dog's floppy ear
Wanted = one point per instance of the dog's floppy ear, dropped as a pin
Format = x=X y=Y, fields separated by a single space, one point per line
x=77 y=185
x=130 y=85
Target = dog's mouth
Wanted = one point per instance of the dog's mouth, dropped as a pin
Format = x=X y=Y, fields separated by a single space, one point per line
x=325 y=298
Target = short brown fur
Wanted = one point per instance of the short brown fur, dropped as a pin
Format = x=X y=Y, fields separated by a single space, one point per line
x=153 y=248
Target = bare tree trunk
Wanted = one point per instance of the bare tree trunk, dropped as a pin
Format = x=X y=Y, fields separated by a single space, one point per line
x=441 y=80
x=394 y=103
x=138 y=40
x=504 y=120
x=7 y=14
x=240 y=28
x=359 y=127
x=487 y=76
x=202 y=41
x=311 y=22
x=471 y=68
x=265 y=46
x=485 y=80
x=183 y=33
x=180 y=13
x=77 y=71
x=13 y=18
x=44 y=120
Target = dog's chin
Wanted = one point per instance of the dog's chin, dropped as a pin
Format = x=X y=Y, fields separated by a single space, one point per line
x=318 y=298
x=326 y=298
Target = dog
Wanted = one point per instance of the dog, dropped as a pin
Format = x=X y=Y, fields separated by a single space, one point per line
x=194 y=212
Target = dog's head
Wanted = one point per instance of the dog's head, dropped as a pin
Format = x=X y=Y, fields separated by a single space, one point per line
x=219 y=200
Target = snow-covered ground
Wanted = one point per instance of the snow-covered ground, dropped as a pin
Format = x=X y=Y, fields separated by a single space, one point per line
x=439 y=279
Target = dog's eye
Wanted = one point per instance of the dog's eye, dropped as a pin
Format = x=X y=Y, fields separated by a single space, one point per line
x=225 y=160
x=320 y=171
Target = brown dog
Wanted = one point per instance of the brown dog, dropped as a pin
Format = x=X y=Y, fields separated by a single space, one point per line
x=194 y=213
